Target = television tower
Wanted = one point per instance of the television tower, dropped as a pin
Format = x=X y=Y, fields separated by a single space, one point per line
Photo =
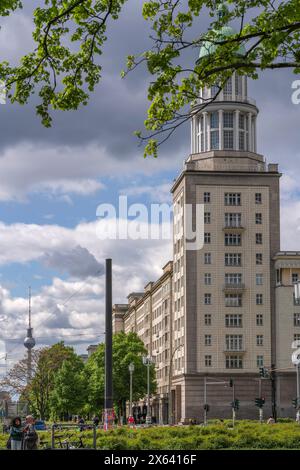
x=29 y=341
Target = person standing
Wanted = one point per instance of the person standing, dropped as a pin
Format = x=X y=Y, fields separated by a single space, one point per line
x=30 y=435
x=16 y=434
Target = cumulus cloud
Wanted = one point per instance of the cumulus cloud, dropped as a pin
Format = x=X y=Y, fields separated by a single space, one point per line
x=78 y=262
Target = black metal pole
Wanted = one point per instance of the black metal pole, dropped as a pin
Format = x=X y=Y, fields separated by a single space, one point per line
x=108 y=337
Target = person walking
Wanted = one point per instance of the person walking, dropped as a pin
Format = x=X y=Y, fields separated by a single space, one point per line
x=16 y=434
x=30 y=435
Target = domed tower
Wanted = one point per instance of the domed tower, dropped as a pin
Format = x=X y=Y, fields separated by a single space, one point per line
x=29 y=341
x=228 y=121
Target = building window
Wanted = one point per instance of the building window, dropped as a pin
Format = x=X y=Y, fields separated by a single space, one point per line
x=232 y=199
x=228 y=120
x=259 y=319
x=258 y=198
x=234 y=342
x=228 y=139
x=296 y=319
x=295 y=278
x=259 y=239
x=233 y=239
x=214 y=120
x=233 y=259
x=207 y=299
x=207 y=237
x=259 y=258
x=234 y=362
x=214 y=140
x=258 y=218
x=259 y=279
x=207 y=319
x=207 y=217
x=206 y=198
x=259 y=299
x=259 y=340
x=233 y=320
x=207 y=258
x=207 y=340
x=297 y=337
x=207 y=279
x=233 y=279
x=233 y=300
x=233 y=220
x=260 y=361
x=227 y=90
x=208 y=361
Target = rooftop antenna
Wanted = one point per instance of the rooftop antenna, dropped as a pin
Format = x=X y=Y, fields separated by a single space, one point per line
x=29 y=341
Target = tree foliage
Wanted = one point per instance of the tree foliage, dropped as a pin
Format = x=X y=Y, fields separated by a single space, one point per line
x=69 y=391
x=65 y=65
x=126 y=349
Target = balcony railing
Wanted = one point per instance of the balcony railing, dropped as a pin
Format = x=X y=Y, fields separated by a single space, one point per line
x=234 y=286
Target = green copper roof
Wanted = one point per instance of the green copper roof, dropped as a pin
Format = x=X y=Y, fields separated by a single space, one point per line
x=208 y=48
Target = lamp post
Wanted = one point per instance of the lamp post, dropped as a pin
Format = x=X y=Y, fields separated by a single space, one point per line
x=147 y=361
x=131 y=370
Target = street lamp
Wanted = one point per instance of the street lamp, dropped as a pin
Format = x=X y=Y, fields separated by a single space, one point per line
x=131 y=370
x=148 y=361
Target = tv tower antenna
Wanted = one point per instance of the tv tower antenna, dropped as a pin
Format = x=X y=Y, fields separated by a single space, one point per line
x=29 y=341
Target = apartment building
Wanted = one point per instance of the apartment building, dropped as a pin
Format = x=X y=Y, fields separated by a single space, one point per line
x=229 y=304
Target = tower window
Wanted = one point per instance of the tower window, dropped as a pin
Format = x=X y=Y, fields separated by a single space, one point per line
x=232 y=199
x=208 y=361
x=228 y=120
x=259 y=258
x=259 y=319
x=214 y=120
x=259 y=239
x=206 y=198
x=233 y=239
x=258 y=198
x=234 y=362
x=259 y=361
x=207 y=258
x=207 y=237
x=207 y=217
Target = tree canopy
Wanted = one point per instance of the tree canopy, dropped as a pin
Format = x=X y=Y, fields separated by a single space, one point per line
x=65 y=65
x=126 y=349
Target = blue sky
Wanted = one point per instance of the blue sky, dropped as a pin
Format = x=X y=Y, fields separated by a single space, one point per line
x=51 y=182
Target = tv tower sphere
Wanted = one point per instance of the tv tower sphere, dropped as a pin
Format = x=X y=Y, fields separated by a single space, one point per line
x=29 y=341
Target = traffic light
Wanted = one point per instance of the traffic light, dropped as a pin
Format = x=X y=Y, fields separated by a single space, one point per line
x=231 y=383
x=295 y=402
x=235 y=405
x=259 y=402
x=262 y=372
x=206 y=407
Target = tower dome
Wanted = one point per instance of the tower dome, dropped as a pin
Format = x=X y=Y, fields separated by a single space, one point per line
x=208 y=47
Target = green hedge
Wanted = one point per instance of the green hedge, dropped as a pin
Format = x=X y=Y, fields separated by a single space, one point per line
x=245 y=435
